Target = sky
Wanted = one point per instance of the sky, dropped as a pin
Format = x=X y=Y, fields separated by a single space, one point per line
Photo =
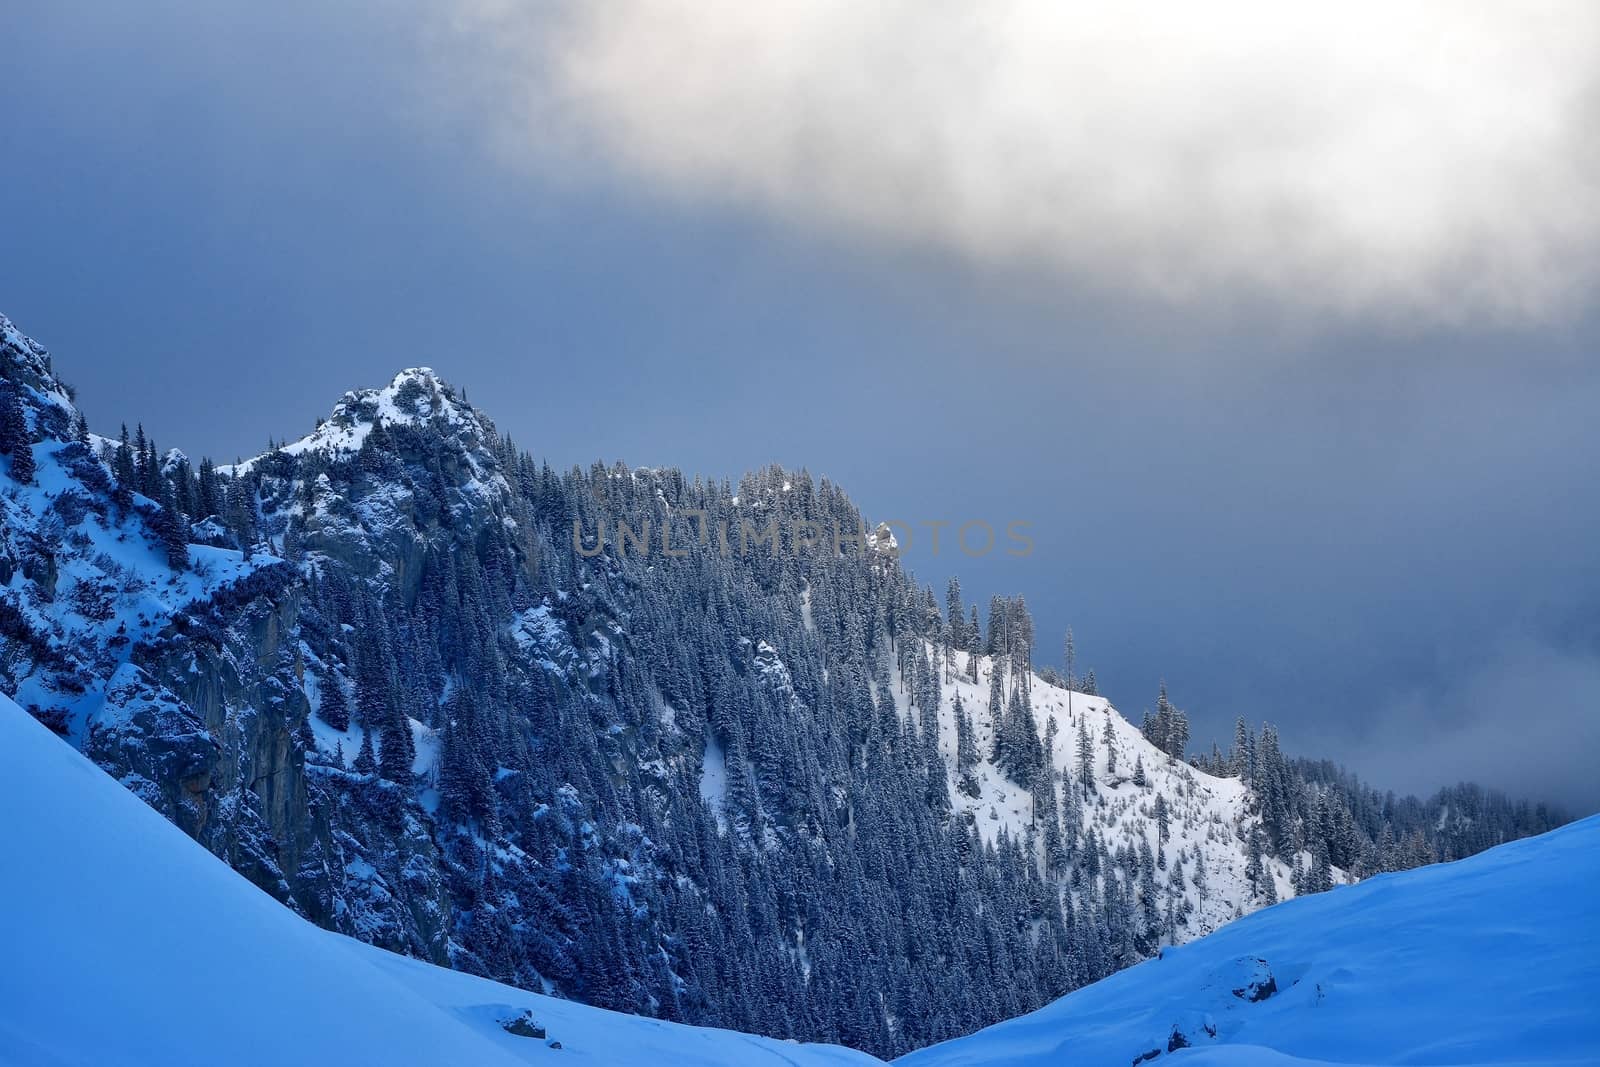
x=1279 y=328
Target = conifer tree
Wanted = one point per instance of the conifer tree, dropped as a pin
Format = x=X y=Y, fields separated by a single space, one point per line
x=1071 y=812
x=208 y=495
x=304 y=738
x=974 y=645
x=1272 y=792
x=183 y=488
x=12 y=427
x=1255 y=869
x=1243 y=752
x=122 y=470
x=1177 y=734
x=1085 y=757
x=15 y=438
x=1000 y=728
x=140 y=458
x=366 y=761
x=150 y=471
x=1320 y=878
x=966 y=751
x=955 y=617
x=169 y=528
x=1162 y=817
x=334 y=709
x=397 y=750
x=995 y=642
x=1149 y=895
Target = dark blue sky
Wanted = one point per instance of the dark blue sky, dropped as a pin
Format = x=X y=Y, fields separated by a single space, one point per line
x=1378 y=533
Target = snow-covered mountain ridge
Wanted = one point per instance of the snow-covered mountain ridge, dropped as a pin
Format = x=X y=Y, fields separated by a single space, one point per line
x=372 y=672
x=416 y=398
x=1210 y=819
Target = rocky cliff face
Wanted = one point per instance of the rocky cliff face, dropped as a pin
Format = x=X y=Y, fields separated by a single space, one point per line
x=189 y=685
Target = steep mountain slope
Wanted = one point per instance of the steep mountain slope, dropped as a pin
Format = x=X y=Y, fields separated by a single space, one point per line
x=1488 y=960
x=1203 y=854
x=152 y=669
x=131 y=944
x=430 y=693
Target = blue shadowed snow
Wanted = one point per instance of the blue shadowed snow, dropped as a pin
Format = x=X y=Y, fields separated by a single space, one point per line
x=1491 y=960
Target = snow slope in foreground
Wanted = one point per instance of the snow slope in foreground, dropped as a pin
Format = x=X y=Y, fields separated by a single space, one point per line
x=1490 y=960
x=127 y=943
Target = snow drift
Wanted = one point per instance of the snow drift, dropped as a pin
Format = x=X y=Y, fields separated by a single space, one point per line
x=1490 y=960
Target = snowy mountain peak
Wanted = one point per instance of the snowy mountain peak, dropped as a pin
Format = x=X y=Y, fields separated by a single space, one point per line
x=391 y=471
x=416 y=398
x=27 y=363
x=15 y=341
x=416 y=395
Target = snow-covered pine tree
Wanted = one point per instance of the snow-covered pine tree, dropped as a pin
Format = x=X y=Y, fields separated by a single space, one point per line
x=1069 y=658
x=366 y=762
x=1242 y=754
x=16 y=440
x=956 y=636
x=1162 y=816
x=1085 y=758
x=1255 y=866
x=1001 y=729
x=334 y=709
x=169 y=527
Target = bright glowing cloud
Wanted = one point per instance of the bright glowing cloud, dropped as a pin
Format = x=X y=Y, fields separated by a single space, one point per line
x=1432 y=161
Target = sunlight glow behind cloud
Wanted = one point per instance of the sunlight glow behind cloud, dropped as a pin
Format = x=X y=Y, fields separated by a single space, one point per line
x=1415 y=161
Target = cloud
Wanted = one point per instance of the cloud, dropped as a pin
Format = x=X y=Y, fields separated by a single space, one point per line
x=1526 y=720
x=1415 y=161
